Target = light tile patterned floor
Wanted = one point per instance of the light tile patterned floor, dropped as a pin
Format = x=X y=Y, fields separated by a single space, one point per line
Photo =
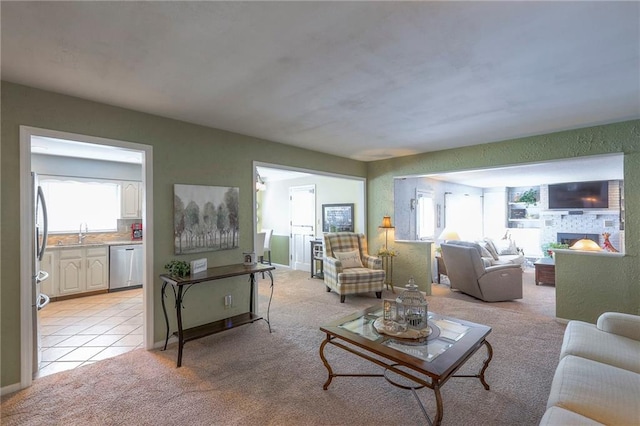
x=81 y=331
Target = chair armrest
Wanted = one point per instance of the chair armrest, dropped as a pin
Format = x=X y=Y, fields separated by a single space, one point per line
x=625 y=325
x=371 y=262
x=332 y=263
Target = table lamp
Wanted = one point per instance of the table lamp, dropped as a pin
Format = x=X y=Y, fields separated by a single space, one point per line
x=448 y=234
x=586 y=244
x=386 y=225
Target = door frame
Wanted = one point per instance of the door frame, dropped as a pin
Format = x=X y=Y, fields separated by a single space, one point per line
x=26 y=243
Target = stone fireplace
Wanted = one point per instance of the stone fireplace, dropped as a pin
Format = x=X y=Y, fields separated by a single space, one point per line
x=571 y=238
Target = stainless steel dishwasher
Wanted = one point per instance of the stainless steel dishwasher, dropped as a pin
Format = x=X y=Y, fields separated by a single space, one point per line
x=125 y=267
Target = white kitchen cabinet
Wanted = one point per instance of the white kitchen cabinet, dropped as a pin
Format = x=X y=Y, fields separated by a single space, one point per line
x=49 y=264
x=97 y=273
x=130 y=200
x=83 y=269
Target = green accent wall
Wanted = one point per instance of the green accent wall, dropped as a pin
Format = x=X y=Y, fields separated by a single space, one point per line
x=182 y=153
x=280 y=250
x=191 y=154
x=586 y=286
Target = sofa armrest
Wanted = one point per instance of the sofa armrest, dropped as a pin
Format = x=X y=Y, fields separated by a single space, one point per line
x=625 y=325
x=503 y=266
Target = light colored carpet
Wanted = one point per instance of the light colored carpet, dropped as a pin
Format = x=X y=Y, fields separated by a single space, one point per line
x=247 y=376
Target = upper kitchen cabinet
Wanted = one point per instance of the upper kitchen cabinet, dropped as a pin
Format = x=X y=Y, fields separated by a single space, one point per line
x=130 y=200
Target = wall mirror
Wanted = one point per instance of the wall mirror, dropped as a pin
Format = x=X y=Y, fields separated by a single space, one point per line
x=486 y=203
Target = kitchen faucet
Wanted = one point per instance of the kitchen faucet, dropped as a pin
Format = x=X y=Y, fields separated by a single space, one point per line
x=80 y=235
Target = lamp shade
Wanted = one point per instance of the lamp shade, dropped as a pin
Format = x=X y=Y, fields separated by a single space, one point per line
x=586 y=244
x=386 y=223
x=448 y=235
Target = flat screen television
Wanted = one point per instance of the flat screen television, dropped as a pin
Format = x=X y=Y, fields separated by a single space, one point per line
x=579 y=195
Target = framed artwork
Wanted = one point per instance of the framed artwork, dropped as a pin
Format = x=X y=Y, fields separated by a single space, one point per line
x=205 y=218
x=337 y=218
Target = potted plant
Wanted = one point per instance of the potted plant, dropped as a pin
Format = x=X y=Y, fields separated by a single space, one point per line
x=529 y=197
x=548 y=248
x=178 y=268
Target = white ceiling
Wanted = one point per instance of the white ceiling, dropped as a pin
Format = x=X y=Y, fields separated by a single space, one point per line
x=363 y=80
x=603 y=167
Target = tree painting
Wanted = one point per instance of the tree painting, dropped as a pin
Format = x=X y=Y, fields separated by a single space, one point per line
x=205 y=218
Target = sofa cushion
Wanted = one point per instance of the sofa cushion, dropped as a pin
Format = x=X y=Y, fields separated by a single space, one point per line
x=595 y=390
x=559 y=416
x=506 y=259
x=484 y=252
x=491 y=248
x=349 y=259
x=587 y=341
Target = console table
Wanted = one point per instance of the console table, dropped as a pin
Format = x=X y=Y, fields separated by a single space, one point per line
x=181 y=285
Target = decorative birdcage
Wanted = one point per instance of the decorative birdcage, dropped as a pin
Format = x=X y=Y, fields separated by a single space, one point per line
x=413 y=306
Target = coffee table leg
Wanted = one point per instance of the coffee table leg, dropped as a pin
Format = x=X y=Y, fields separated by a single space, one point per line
x=486 y=364
x=325 y=362
x=439 y=406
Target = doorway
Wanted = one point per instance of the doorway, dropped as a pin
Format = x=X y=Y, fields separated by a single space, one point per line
x=302 y=214
x=272 y=201
x=28 y=324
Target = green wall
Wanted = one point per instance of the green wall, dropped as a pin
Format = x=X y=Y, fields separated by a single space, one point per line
x=190 y=154
x=586 y=285
x=280 y=250
x=182 y=153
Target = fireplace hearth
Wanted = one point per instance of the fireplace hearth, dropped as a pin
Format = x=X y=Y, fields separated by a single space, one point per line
x=571 y=238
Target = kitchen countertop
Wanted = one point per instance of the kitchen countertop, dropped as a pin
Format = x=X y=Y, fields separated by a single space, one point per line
x=92 y=244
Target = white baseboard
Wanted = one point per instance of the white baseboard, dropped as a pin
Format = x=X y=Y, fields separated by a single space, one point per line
x=10 y=389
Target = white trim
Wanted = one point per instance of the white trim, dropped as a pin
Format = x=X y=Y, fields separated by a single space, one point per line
x=26 y=249
x=26 y=224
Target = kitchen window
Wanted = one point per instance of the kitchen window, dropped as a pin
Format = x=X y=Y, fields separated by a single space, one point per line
x=74 y=201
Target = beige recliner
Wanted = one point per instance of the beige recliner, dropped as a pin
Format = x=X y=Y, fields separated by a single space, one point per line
x=467 y=273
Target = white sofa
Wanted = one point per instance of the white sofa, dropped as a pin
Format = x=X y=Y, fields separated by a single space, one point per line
x=598 y=378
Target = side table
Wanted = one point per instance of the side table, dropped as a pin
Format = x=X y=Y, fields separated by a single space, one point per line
x=387 y=265
x=317 y=260
x=441 y=269
x=545 y=270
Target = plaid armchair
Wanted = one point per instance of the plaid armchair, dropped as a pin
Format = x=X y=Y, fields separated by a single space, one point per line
x=348 y=276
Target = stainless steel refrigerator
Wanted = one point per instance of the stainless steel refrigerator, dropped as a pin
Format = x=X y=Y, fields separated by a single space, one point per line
x=38 y=299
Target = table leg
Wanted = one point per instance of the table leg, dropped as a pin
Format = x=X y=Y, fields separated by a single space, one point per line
x=252 y=280
x=164 y=311
x=180 y=333
x=486 y=364
x=270 y=297
x=439 y=405
x=325 y=362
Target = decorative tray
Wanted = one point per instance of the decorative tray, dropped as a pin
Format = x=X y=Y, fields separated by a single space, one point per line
x=410 y=333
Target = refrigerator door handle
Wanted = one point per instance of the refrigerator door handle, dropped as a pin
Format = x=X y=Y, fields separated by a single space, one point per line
x=43 y=301
x=45 y=230
x=42 y=275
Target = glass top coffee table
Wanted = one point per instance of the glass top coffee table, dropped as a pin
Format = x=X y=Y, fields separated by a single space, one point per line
x=426 y=362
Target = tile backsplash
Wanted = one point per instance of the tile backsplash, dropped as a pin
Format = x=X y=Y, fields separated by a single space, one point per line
x=123 y=234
